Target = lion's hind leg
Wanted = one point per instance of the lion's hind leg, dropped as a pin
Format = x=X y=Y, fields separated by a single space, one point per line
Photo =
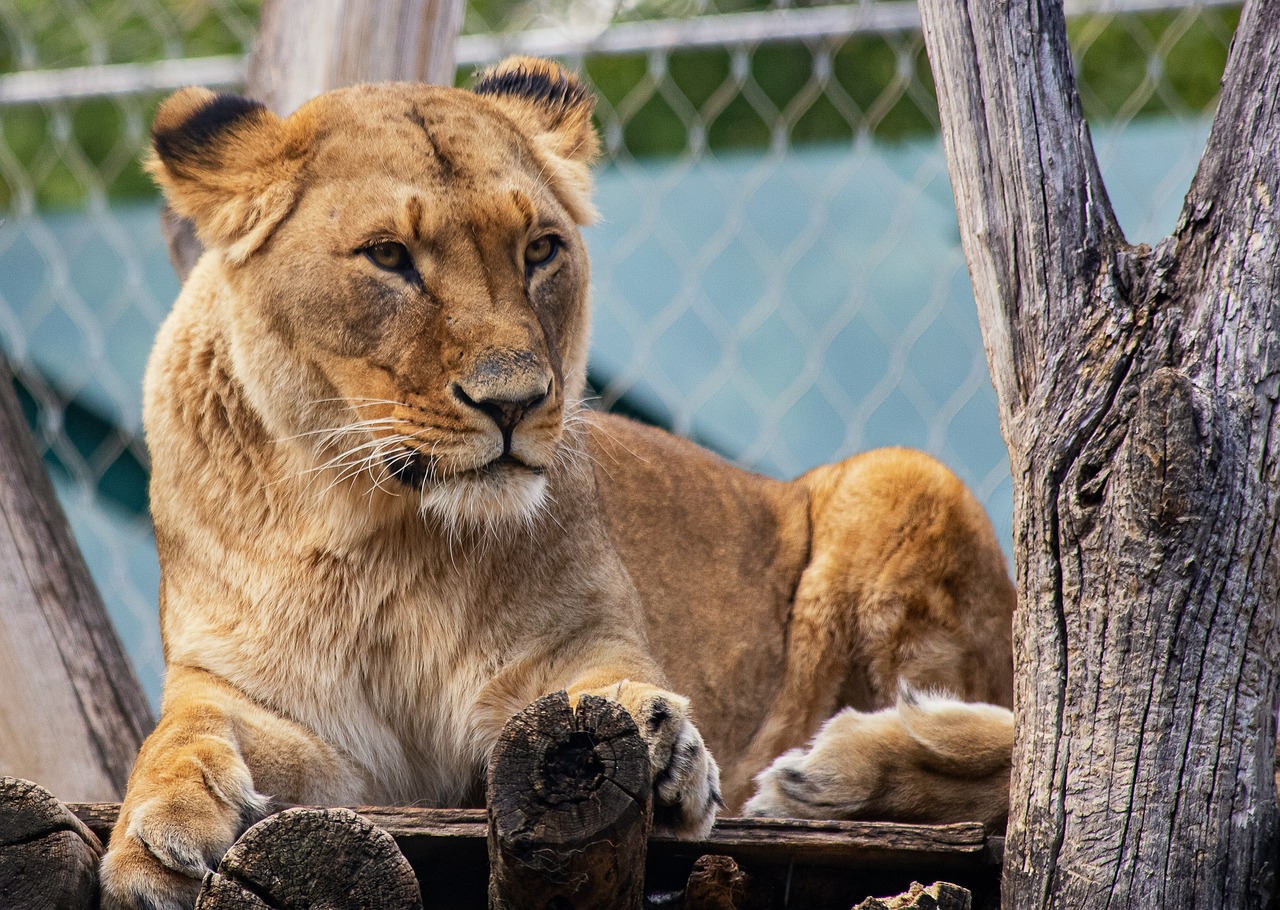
x=929 y=759
x=905 y=583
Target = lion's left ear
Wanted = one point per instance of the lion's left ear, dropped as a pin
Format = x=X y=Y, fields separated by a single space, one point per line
x=553 y=107
x=228 y=164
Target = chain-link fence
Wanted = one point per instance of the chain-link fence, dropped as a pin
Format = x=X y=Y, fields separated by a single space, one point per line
x=778 y=273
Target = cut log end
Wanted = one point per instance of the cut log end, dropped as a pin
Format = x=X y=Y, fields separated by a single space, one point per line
x=48 y=858
x=312 y=857
x=569 y=808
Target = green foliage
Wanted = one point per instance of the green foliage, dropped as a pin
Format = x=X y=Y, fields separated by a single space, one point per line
x=1153 y=64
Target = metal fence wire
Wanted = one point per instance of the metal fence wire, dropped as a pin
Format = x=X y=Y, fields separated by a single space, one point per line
x=778 y=273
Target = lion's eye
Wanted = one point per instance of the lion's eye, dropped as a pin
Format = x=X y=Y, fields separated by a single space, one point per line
x=541 y=251
x=389 y=255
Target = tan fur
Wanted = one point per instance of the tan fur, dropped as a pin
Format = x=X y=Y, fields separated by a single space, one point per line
x=364 y=576
x=927 y=759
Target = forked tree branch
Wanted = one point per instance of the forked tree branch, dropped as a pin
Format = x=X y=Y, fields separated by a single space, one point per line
x=1138 y=394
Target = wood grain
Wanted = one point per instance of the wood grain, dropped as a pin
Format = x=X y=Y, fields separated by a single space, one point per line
x=1138 y=389
x=74 y=714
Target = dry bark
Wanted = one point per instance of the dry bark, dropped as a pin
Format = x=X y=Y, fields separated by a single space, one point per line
x=938 y=896
x=1137 y=389
x=717 y=883
x=74 y=714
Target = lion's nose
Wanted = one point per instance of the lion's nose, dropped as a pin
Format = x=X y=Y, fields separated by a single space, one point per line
x=505 y=412
x=504 y=385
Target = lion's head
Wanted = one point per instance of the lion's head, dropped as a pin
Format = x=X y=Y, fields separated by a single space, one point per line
x=405 y=282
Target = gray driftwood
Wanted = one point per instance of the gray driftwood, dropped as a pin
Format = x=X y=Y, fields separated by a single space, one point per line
x=1137 y=389
x=74 y=714
x=569 y=808
x=48 y=858
x=328 y=858
x=304 y=49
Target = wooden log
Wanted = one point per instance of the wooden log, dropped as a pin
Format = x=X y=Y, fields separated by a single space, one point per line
x=1138 y=391
x=73 y=714
x=569 y=808
x=48 y=858
x=716 y=883
x=329 y=858
x=938 y=896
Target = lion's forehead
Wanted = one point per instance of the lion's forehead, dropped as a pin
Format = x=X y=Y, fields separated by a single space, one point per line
x=418 y=134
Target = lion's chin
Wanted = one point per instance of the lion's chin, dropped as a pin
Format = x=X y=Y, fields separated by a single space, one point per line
x=487 y=499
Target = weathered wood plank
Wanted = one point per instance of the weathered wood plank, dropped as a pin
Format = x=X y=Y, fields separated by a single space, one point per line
x=818 y=864
x=48 y=857
x=800 y=840
x=74 y=714
x=839 y=844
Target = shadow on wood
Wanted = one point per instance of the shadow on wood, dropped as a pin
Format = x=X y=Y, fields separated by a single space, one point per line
x=569 y=808
x=48 y=858
x=312 y=858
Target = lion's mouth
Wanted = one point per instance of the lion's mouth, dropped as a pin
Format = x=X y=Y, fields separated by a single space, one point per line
x=414 y=469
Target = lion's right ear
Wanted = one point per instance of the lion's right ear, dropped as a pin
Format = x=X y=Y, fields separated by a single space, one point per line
x=228 y=164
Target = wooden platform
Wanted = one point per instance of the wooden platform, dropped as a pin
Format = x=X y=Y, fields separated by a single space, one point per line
x=792 y=863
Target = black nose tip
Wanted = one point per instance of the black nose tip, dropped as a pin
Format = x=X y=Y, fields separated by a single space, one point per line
x=506 y=413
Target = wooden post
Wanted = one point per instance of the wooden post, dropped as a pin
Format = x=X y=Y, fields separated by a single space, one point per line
x=302 y=51
x=73 y=715
x=48 y=858
x=312 y=858
x=569 y=808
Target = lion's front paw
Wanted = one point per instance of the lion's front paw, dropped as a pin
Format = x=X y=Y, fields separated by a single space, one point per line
x=686 y=779
x=184 y=825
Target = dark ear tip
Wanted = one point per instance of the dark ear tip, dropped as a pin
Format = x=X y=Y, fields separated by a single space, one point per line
x=188 y=121
x=541 y=81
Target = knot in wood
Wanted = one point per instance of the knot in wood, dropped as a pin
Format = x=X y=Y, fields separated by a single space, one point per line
x=571 y=769
x=1171 y=452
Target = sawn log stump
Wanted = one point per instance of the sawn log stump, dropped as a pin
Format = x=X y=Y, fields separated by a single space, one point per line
x=569 y=808
x=304 y=858
x=48 y=858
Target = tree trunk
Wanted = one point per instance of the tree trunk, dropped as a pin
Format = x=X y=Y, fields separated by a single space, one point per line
x=73 y=714
x=1137 y=391
x=334 y=43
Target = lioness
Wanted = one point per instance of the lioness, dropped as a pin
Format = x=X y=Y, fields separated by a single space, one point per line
x=386 y=522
